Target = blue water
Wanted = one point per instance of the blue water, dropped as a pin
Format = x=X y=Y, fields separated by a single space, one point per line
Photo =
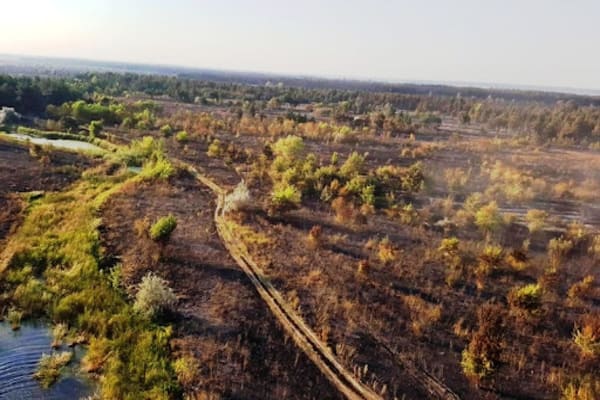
x=20 y=352
x=60 y=143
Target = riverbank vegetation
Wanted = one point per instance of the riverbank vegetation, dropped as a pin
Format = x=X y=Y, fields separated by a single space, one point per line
x=52 y=268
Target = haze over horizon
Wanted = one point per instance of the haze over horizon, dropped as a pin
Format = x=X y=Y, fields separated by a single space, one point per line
x=540 y=43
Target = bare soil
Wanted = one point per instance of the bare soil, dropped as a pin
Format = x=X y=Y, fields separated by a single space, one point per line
x=220 y=319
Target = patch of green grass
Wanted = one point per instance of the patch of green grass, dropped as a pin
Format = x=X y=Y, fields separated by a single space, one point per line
x=50 y=268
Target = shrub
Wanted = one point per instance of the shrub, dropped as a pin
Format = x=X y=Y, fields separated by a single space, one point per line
x=166 y=130
x=587 y=337
x=353 y=166
x=95 y=128
x=449 y=246
x=473 y=202
x=482 y=355
x=238 y=199
x=517 y=260
x=586 y=388
x=314 y=235
x=50 y=367
x=290 y=147
x=187 y=369
x=488 y=218
x=536 y=220
x=343 y=135
x=475 y=366
x=182 y=136
x=594 y=248
x=344 y=210
x=528 y=297
x=59 y=331
x=413 y=179
x=408 y=215
x=558 y=248
x=162 y=229
x=363 y=267
x=367 y=195
x=154 y=296
x=31 y=297
x=386 y=251
x=14 y=316
x=582 y=288
x=215 y=149
x=285 y=197
x=140 y=150
x=157 y=168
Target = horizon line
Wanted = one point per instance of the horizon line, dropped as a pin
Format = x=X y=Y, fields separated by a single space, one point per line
x=592 y=92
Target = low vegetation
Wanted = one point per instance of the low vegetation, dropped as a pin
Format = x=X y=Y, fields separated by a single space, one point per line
x=161 y=230
x=452 y=235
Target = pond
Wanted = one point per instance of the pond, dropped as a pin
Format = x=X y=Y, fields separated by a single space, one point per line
x=20 y=352
x=59 y=143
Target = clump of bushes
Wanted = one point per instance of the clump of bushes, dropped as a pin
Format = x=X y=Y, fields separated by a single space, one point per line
x=59 y=331
x=187 y=369
x=166 y=130
x=315 y=235
x=162 y=229
x=482 y=355
x=587 y=336
x=182 y=136
x=285 y=197
x=386 y=252
x=488 y=218
x=558 y=248
x=14 y=318
x=584 y=388
x=490 y=259
x=527 y=298
x=594 y=248
x=450 y=253
x=536 y=220
x=581 y=289
x=215 y=149
x=154 y=296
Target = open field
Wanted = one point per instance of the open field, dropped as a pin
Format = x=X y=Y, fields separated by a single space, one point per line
x=302 y=244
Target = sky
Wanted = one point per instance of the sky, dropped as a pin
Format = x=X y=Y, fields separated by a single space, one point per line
x=551 y=43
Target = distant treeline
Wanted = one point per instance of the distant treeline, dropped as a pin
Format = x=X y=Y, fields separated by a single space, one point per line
x=544 y=116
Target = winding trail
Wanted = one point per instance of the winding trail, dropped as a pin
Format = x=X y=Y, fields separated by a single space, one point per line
x=343 y=380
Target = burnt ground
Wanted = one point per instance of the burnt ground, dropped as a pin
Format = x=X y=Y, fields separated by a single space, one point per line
x=220 y=319
x=21 y=172
x=355 y=312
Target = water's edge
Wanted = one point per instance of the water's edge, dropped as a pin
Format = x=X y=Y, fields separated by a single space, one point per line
x=20 y=352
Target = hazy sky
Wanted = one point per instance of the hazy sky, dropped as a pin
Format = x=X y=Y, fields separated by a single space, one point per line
x=550 y=43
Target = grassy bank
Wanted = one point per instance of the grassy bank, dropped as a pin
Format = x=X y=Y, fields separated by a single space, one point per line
x=51 y=268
